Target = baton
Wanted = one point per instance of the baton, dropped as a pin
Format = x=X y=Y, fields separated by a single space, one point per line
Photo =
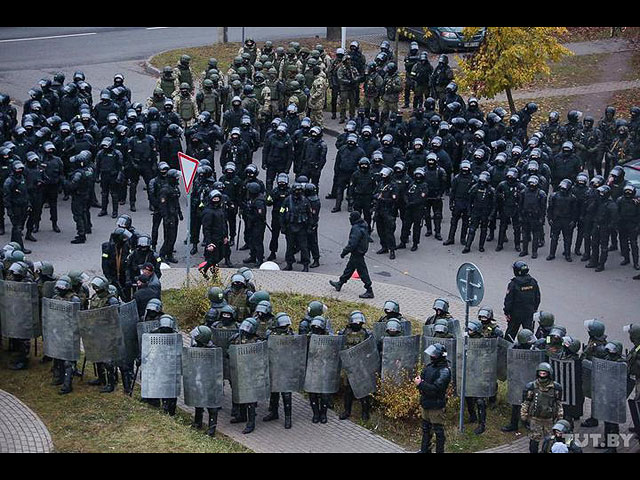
x=238 y=234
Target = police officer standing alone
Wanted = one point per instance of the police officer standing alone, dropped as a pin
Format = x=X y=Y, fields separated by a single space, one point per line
x=522 y=300
x=357 y=247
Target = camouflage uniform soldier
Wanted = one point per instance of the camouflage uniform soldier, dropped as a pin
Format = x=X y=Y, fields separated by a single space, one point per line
x=347 y=76
x=183 y=72
x=392 y=89
x=542 y=406
x=250 y=48
x=208 y=99
x=157 y=99
x=373 y=86
x=275 y=92
x=168 y=83
x=318 y=97
x=185 y=106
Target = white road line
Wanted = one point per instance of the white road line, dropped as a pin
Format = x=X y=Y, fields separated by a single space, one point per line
x=47 y=38
x=156 y=28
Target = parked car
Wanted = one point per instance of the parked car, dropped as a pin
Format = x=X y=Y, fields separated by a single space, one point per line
x=632 y=174
x=442 y=39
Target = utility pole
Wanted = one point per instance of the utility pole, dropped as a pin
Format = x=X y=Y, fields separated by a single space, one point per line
x=223 y=34
x=344 y=37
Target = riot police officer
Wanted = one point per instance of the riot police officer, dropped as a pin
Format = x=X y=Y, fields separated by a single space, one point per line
x=481 y=207
x=522 y=299
x=459 y=202
x=563 y=215
x=533 y=208
x=355 y=333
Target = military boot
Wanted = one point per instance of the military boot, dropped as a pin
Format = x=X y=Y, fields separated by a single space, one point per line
x=437 y=227
x=323 y=411
x=127 y=380
x=197 y=418
x=315 y=408
x=367 y=294
x=102 y=379
x=111 y=381
x=286 y=400
x=348 y=403
x=471 y=408
x=482 y=418
x=58 y=373
x=213 y=421
x=67 y=385
x=366 y=407
x=463 y=233
x=79 y=239
x=452 y=235
x=425 y=445
x=240 y=415
x=251 y=419
x=336 y=285
x=30 y=237
x=490 y=236
x=483 y=238
x=316 y=263
x=515 y=417
x=274 y=401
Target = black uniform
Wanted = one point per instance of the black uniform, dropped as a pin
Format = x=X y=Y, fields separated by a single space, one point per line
x=482 y=204
x=415 y=199
x=533 y=206
x=563 y=213
x=109 y=164
x=520 y=303
x=170 y=212
x=141 y=157
x=628 y=226
x=459 y=204
x=605 y=219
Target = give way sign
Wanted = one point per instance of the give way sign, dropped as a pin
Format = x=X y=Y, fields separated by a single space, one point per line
x=188 y=167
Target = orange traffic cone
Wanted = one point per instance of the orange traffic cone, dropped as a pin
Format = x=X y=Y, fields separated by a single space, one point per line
x=355 y=275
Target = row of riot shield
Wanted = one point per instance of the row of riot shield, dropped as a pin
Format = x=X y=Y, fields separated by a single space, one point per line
x=108 y=334
x=19 y=310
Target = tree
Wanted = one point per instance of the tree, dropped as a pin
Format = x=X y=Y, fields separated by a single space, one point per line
x=334 y=33
x=509 y=58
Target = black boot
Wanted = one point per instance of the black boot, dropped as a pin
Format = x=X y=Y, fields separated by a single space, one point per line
x=366 y=407
x=323 y=411
x=315 y=408
x=67 y=385
x=438 y=428
x=482 y=418
x=316 y=263
x=348 y=402
x=515 y=417
x=58 y=373
x=471 y=408
x=425 y=445
x=197 y=418
x=336 y=285
x=367 y=294
x=240 y=413
x=286 y=400
x=102 y=378
x=213 y=421
x=274 y=400
x=111 y=381
x=251 y=419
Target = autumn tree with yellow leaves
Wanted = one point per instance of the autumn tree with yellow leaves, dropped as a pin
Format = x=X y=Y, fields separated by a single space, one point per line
x=509 y=58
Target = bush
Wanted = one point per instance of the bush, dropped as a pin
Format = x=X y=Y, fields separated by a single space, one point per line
x=398 y=400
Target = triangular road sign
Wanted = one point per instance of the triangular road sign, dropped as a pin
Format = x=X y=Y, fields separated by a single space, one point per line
x=188 y=167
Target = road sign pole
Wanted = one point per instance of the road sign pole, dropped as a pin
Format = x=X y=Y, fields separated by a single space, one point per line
x=465 y=346
x=188 y=251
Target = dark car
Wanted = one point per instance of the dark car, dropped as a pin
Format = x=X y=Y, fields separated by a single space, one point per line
x=632 y=174
x=441 y=39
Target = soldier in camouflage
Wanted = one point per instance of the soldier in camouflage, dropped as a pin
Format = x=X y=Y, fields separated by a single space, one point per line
x=391 y=90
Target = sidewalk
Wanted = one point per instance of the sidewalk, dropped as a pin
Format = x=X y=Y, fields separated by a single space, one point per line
x=346 y=436
x=21 y=430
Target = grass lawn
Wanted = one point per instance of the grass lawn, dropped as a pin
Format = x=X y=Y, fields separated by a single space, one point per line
x=87 y=421
x=190 y=305
x=225 y=53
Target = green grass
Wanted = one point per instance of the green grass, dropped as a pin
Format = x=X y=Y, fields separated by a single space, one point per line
x=87 y=421
x=225 y=53
x=189 y=306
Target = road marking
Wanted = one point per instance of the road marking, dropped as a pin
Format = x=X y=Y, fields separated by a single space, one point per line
x=47 y=38
x=156 y=28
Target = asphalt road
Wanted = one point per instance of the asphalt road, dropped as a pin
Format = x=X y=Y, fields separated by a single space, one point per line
x=570 y=291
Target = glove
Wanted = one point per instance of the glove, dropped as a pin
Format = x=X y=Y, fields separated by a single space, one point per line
x=343 y=254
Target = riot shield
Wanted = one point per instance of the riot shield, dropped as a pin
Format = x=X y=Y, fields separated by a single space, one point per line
x=220 y=337
x=100 y=332
x=287 y=357
x=202 y=377
x=20 y=310
x=145 y=327
x=482 y=367
x=361 y=364
x=128 y=319
x=60 y=333
x=400 y=356
x=48 y=289
x=586 y=377
x=568 y=373
x=451 y=344
x=322 y=374
x=521 y=369
x=427 y=331
x=454 y=327
x=161 y=365
x=503 y=346
x=609 y=390
x=249 y=370
x=379 y=329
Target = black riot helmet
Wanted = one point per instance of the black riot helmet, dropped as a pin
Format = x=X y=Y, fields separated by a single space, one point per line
x=520 y=268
